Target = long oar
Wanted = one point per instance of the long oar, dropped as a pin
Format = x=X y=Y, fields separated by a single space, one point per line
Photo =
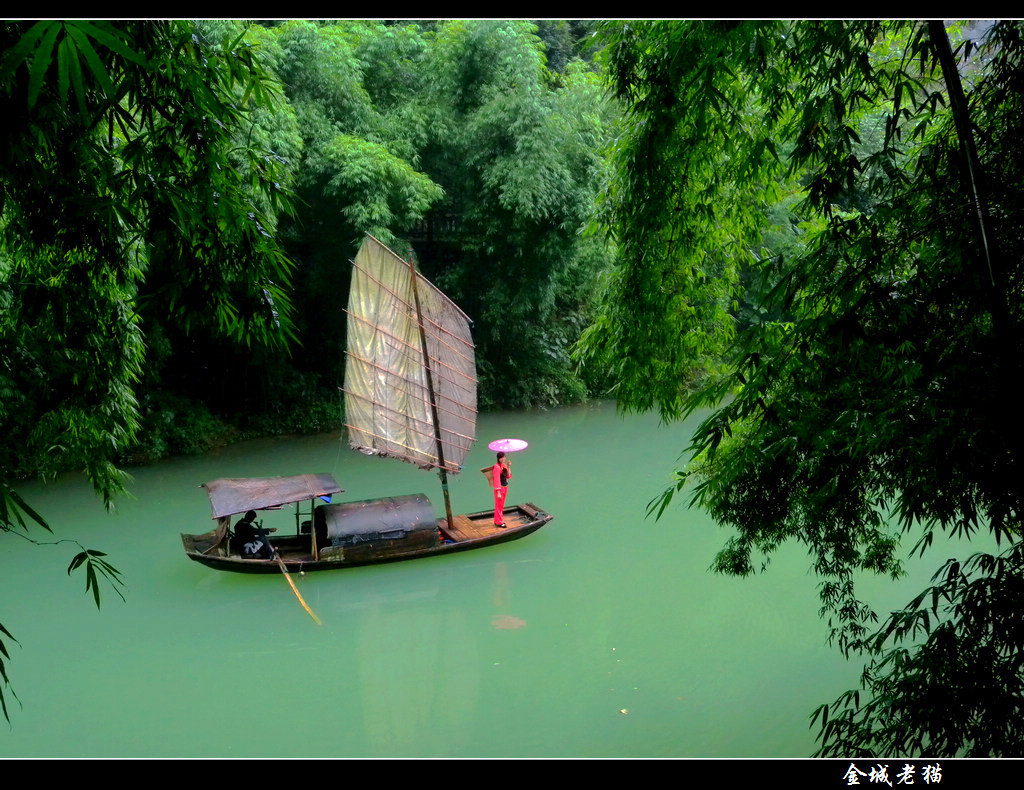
x=288 y=577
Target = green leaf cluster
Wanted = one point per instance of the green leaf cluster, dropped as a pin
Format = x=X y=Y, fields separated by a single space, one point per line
x=140 y=202
x=455 y=140
x=867 y=396
x=129 y=188
x=520 y=155
x=93 y=562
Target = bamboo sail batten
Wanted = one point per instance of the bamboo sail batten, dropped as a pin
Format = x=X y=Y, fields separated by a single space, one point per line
x=410 y=353
x=414 y=350
x=414 y=382
x=412 y=308
x=428 y=462
x=411 y=311
x=461 y=446
x=410 y=382
x=432 y=287
x=387 y=408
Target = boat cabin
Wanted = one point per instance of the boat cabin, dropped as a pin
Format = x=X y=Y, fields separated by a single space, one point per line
x=350 y=532
x=232 y=497
x=362 y=530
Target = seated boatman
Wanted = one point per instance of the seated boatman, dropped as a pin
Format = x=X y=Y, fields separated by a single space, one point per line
x=250 y=540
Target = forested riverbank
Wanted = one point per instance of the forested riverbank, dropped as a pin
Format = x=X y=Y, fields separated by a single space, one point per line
x=477 y=147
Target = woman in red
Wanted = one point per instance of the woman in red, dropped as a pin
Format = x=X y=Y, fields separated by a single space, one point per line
x=501 y=473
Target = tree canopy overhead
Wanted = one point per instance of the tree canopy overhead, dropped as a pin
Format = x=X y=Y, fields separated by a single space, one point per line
x=870 y=401
x=118 y=147
x=120 y=161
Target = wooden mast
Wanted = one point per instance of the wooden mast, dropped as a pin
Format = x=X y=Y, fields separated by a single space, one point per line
x=430 y=394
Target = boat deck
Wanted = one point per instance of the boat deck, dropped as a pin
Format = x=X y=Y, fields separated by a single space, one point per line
x=480 y=526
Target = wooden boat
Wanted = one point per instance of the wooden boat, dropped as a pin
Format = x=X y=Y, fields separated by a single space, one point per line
x=349 y=534
x=410 y=394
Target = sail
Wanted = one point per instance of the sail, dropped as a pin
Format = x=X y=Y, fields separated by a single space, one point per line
x=388 y=376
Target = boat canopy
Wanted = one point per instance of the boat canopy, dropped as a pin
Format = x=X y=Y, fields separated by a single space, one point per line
x=374 y=519
x=232 y=495
x=410 y=381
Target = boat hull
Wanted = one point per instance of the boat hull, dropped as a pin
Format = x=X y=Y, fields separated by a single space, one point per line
x=467 y=532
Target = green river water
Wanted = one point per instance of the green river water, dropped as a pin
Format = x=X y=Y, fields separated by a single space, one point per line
x=601 y=635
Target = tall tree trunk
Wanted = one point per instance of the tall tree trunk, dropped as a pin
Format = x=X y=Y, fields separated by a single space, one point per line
x=968 y=151
x=1008 y=356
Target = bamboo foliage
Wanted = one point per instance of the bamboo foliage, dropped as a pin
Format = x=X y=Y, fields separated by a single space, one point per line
x=862 y=409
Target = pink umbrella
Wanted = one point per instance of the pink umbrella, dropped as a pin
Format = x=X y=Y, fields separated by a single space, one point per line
x=508 y=445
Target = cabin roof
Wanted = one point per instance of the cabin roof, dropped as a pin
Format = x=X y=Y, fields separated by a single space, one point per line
x=407 y=514
x=231 y=495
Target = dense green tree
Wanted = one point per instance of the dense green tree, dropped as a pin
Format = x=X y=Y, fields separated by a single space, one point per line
x=459 y=143
x=120 y=156
x=369 y=133
x=871 y=403
x=350 y=86
x=520 y=160
x=193 y=366
x=566 y=40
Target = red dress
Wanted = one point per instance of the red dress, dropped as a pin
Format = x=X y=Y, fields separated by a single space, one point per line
x=500 y=492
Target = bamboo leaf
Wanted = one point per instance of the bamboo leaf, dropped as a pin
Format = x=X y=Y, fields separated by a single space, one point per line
x=19 y=53
x=65 y=50
x=91 y=583
x=41 y=59
x=6 y=632
x=106 y=35
x=77 y=561
x=97 y=68
x=23 y=506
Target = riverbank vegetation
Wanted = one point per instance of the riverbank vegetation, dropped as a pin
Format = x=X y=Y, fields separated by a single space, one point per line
x=476 y=146
x=812 y=231
x=862 y=400
x=458 y=142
